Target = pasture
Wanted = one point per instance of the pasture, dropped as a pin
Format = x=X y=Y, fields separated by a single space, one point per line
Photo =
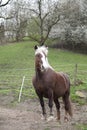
x=17 y=60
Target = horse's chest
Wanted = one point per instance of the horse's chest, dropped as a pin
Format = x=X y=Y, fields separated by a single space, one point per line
x=42 y=88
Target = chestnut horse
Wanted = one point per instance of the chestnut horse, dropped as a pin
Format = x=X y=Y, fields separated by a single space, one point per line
x=50 y=84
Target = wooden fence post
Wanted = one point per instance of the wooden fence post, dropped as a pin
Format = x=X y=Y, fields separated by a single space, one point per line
x=21 y=89
x=75 y=74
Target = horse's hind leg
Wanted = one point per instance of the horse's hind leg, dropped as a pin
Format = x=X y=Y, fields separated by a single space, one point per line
x=57 y=107
x=67 y=103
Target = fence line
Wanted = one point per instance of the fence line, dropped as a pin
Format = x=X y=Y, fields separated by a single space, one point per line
x=54 y=66
x=17 y=69
x=71 y=71
x=14 y=77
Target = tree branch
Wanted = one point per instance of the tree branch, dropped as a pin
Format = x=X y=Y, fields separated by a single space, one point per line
x=45 y=15
x=0 y=1
x=33 y=38
x=46 y=37
x=4 y=4
x=36 y=21
x=49 y=29
x=34 y=11
x=56 y=21
x=6 y=18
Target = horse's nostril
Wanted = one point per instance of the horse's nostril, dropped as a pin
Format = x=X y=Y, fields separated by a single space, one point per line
x=42 y=66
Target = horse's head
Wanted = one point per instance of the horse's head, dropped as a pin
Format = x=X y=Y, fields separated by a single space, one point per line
x=41 y=62
x=41 y=49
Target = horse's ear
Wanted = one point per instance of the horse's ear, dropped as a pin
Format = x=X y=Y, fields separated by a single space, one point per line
x=35 y=47
x=46 y=46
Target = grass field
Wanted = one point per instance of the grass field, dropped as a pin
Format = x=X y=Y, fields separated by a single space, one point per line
x=17 y=60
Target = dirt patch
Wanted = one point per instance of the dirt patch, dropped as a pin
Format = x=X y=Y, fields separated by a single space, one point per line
x=27 y=116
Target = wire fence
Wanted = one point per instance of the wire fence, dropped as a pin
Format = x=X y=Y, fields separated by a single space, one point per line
x=18 y=81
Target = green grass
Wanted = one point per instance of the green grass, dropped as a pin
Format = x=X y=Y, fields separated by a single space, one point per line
x=17 y=60
x=76 y=98
x=82 y=127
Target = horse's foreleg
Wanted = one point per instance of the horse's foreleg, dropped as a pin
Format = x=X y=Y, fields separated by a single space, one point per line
x=50 y=95
x=43 y=106
x=57 y=107
x=50 y=106
x=50 y=103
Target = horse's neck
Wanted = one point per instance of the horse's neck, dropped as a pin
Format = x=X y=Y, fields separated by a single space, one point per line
x=46 y=66
x=38 y=75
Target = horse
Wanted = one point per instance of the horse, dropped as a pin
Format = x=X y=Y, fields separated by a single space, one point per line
x=50 y=84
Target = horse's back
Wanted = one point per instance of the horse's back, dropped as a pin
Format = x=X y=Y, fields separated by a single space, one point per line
x=65 y=77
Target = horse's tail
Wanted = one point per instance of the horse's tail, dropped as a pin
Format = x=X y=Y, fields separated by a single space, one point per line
x=66 y=97
x=67 y=103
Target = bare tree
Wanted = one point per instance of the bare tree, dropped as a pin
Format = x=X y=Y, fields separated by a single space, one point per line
x=18 y=23
x=2 y=16
x=45 y=18
x=2 y=33
x=2 y=4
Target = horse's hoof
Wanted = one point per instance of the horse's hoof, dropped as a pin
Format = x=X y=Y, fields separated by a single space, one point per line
x=50 y=118
x=43 y=117
x=66 y=119
x=58 y=120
